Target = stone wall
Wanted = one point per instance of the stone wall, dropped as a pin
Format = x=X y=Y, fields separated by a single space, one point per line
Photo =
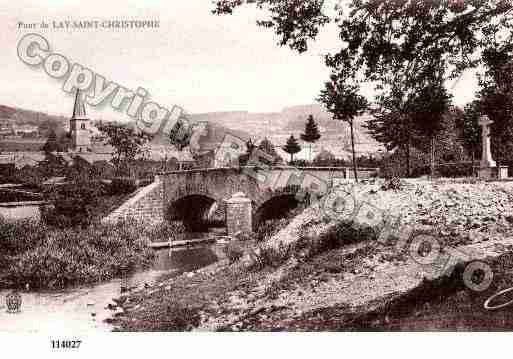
x=146 y=205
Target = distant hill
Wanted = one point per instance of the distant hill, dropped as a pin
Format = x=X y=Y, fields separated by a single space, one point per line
x=28 y=117
x=277 y=126
x=43 y=120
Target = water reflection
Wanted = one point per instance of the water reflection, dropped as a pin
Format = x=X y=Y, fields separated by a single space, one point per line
x=83 y=309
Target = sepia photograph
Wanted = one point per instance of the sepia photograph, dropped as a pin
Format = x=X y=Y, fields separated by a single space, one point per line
x=206 y=167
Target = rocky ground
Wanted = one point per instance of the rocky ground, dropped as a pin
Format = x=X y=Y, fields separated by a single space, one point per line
x=345 y=286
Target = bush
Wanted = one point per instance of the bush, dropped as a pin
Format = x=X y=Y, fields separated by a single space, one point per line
x=273 y=256
x=72 y=204
x=460 y=169
x=49 y=258
x=309 y=245
x=123 y=185
x=269 y=228
x=166 y=231
x=338 y=235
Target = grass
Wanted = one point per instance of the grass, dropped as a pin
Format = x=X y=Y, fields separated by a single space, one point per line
x=166 y=231
x=309 y=244
x=50 y=258
x=108 y=203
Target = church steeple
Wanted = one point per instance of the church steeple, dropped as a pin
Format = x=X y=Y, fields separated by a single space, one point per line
x=79 y=126
x=79 y=108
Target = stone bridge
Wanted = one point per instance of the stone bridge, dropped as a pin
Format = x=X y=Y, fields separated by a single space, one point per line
x=259 y=194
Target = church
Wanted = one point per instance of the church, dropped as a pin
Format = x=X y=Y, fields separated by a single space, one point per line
x=80 y=126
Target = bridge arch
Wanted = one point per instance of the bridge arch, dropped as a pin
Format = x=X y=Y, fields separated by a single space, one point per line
x=275 y=208
x=220 y=184
x=192 y=209
x=277 y=204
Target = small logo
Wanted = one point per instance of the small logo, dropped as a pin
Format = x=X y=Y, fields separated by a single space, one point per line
x=13 y=302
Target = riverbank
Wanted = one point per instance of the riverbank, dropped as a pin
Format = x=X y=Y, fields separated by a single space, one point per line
x=323 y=273
x=87 y=308
x=36 y=256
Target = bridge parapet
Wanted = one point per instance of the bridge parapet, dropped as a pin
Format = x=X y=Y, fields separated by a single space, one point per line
x=343 y=170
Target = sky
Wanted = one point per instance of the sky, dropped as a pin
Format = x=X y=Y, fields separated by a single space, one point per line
x=196 y=60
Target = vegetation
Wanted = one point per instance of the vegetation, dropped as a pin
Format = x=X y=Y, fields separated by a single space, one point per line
x=127 y=142
x=311 y=134
x=51 y=142
x=292 y=147
x=321 y=161
x=345 y=103
x=495 y=100
x=180 y=136
x=166 y=231
x=409 y=51
x=72 y=204
x=57 y=143
x=49 y=258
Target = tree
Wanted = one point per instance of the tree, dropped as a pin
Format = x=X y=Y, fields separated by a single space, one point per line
x=180 y=137
x=311 y=134
x=469 y=125
x=292 y=147
x=400 y=46
x=375 y=34
x=74 y=204
x=64 y=141
x=392 y=124
x=127 y=142
x=51 y=144
x=295 y=21
x=496 y=100
x=429 y=106
x=345 y=103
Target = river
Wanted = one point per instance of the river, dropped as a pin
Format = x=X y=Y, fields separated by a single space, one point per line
x=83 y=309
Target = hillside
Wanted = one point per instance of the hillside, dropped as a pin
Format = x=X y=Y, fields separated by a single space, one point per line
x=277 y=126
x=27 y=117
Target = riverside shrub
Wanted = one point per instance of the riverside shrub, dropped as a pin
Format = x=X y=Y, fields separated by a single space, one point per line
x=165 y=231
x=73 y=204
x=50 y=258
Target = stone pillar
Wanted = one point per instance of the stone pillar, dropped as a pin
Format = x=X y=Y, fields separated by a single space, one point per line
x=487 y=167
x=486 y=157
x=238 y=214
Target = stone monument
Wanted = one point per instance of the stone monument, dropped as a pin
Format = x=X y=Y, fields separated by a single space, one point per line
x=488 y=167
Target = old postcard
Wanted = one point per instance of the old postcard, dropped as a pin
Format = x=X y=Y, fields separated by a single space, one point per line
x=267 y=166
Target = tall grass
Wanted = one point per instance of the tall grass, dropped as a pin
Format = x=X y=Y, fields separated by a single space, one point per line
x=48 y=257
x=165 y=231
